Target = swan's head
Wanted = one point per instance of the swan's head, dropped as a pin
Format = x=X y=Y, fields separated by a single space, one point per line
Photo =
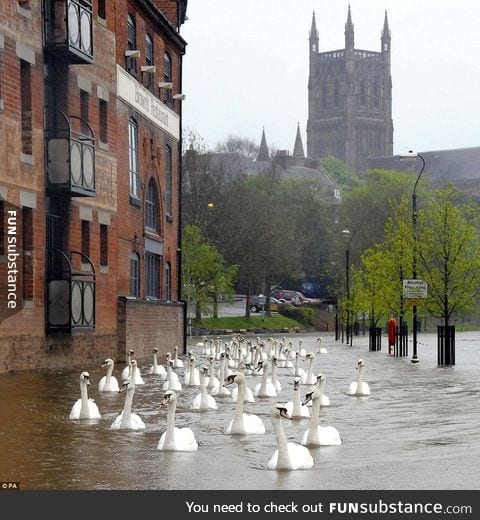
x=107 y=363
x=296 y=383
x=309 y=356
x=168 y=356
x=175 y=348
x=133 y=363
x=127 y=384
x=191 y=361
x=311 y=396
x=212 y=359
x=360 y=363
x=155 y=350
x=259 y=365
x=234 y=378
x=319 y=340
x=274 y=361
x=279 y=410
x=321 y=378
x=204 y=369
x=131 y=352
x=85 y=378
x=168 y=397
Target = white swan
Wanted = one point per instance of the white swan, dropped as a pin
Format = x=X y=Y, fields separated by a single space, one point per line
x=171 y=383
x=191 y=376
x=219 y=389
x=247 y=394
x=320 y=384
x=359 y=387
x=157 y=369
x=177 y=363
x=274 y=378
x=320 y=349
x=175 y=439
x=108 y=383
x=128 y=371
x=288 y=455
x=203 y=401
x=319 y=435
x=309 y=378
x=266 y=388
x=127 y=420
x=84 y=408
x=242 y=423
x=295 y=409
x=213 y=383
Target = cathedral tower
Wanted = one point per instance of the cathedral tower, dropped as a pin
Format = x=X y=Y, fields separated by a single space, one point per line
x=349 y=100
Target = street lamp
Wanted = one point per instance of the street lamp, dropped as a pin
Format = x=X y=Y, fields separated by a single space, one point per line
x=413 y=155
x=347 y=235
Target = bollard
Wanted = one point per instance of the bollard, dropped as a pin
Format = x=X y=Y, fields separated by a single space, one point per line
x=446 y=345
x=401 y=341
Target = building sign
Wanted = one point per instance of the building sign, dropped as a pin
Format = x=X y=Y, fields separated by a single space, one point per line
x=414 y=289
x=144 y=102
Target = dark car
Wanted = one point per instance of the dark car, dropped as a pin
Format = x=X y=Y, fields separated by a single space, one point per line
x=257 y=303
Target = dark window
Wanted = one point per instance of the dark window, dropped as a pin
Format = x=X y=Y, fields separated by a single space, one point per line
x=103 y=244
x=134 y=275
x=149 y=61
x=152 y=275
x=324 y=94
x=363 y=93
x=131 y=63
x=101 y=9
x=336 y=93
x=103 y=114
x=84 y=111
x=133 y=158
x=167 y=77
x=168 y=281
x=152 y=207
x=86 y=238
x=169 y=181
x=27 y=232
x=26 y=106
x=375 y=95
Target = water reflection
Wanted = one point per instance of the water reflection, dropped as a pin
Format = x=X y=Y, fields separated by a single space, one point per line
x=418 y=421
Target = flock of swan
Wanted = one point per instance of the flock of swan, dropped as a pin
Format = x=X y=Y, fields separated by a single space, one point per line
x=225 y=374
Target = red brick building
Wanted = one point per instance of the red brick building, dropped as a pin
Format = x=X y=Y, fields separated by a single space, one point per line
x=90 y=126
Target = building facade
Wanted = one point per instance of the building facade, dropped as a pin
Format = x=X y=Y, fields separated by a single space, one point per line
x=349 y=100
x=90 y=125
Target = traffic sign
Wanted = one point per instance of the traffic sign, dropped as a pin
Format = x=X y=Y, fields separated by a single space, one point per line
x=414 y=289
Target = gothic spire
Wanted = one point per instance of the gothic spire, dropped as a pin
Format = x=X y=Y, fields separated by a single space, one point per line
x=386 y=36
x=349 y=35
x=298 y=148
x=313 y=35
x=263 y=155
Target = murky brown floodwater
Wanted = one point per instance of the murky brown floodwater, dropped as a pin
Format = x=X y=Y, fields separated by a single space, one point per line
x=418 y=430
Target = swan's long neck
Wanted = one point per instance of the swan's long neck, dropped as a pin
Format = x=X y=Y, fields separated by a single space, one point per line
x=169 y=443
x=222 y=372
x=155 y=364
x=203 y=389
x=310 y=368
x=170 y=375
x=127 y=407
x=84 y=410
x=313 y=429
x=360 y=378
x=263 y=386
x=296 y=402
x=109 y=375
x=237 y=424
x=296 y=366
x=283 y=456
x=274 y=372
x=191 y=378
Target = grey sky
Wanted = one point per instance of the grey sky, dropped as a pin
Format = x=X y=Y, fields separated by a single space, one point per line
x=247 y=66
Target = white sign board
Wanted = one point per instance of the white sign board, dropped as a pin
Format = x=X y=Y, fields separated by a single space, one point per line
x=142 y=100
x=414 y=289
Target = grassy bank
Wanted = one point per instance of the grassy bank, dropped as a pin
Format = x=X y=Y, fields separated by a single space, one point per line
x=275 y=322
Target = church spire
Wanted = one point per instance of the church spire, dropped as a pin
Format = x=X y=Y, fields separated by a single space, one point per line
x=263 y=155
x=386 y=36
x=298 y=148
x=349 y=35
x=313 y=35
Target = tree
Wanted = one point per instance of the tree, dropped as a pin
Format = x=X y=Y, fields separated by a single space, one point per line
x=204 y=273
x=241 y=145
x=339 y=173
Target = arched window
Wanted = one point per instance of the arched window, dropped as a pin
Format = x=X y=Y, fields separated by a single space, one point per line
x=131 y=63
x=149 y=61
x=167 y=77
x=168 y=281
x=134 y=275
x=133 y=158
x=152 y=209
x=363 y=93
x=336 y=93
x=324 y=94
x=375 y=95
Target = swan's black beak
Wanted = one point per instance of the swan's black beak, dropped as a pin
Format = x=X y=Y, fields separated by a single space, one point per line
x=296 y=384
x=308 y=397
x=103 y=365
x=228 y=380
x=284 y=413
x=165 y=400
x=124 y=388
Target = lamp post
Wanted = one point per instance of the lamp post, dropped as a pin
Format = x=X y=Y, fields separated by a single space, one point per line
x=347 y=235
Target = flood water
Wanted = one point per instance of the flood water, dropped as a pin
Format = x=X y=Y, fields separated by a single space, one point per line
x=419 y=429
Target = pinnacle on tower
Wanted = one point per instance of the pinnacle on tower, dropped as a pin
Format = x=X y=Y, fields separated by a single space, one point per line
x=263 y=155
x=298 y=148
x=313 y=30
x=385 y=30
x=349 y=34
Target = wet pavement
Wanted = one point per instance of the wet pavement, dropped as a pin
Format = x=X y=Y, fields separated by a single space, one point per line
x=419 y=429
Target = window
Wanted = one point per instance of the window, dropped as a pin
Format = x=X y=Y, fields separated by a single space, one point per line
x=169 y=181
x=152 y=275
x=101 y=9
x=363 y=94
x=84 y=111
x=133 y=158
x=26 y=106
x=27 y=232
x=85 y=238
x=103 y=244
x=152 y=207
x=336 y=93
x=324 y=94
x=131 y=64
x=168 y=281
x=134 y=275
x=375 y=95
x=167 y=77
x=103 y=114
x=149 y=61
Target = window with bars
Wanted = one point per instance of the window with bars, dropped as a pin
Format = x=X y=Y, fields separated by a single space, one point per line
x=149 y=76
x=152 y=275
x=152 y=207
x=134 y=275
x=169 y=181
x=133 y=158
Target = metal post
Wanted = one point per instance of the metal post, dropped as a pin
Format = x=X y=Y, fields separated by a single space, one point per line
x=347 y=261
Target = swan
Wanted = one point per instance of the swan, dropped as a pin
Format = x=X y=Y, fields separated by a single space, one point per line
x=247 y=394
x=220 y=389
x=295 y=409
x=177 y=363
x=175 y=439
x=298 y=371
x=319 y=435
x=213 y=383
x=320 y=384
x=84 y=408
x=359 y=387
x=301 y=350
x=309 y=378
x=108 y=383
x=287 y=363
x=171 y=383
x=266 y=388
x=127 y=420
x=128 y=371
x=242 y=423
x=203 y=401
x=320 y=349
x=274 y=378
x=288 y=455
x=192 y=374
x=157 y=369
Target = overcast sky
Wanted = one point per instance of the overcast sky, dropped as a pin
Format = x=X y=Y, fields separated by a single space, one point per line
x=246 y=67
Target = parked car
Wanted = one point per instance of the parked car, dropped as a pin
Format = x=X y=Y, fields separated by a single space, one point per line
x=311 y=289
x=257 y=303
x=293 y=297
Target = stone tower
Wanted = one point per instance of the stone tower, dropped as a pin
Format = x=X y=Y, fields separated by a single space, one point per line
x=350 y=100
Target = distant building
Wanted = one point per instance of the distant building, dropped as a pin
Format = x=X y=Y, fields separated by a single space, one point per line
x=349 y=100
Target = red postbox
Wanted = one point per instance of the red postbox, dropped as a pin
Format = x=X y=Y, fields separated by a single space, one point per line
x=392 y=323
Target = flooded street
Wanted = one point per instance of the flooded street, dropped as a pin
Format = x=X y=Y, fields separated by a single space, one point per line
x=419 y=428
